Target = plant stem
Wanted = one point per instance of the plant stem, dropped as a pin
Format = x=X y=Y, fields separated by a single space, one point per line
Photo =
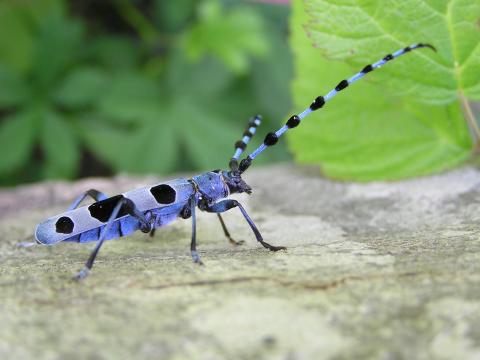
x=472 y=122
x=138 y=21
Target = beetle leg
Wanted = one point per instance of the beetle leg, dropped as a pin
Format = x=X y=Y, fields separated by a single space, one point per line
x=132 y=210
x=227 y=233
x=94 y=194
x=88 y=265
x=193 y=244
x=228 y=204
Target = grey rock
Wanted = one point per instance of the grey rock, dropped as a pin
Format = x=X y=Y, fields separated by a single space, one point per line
x=386 y=270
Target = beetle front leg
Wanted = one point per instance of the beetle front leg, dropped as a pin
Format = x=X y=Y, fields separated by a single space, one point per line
x=228 y=204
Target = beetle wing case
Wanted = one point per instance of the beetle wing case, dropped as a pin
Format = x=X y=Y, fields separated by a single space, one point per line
x=85 y=223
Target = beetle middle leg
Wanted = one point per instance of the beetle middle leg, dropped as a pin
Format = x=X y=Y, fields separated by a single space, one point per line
x=228 y=204
x=227 y=233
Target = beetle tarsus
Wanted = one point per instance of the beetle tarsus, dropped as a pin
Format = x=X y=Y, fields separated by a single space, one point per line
x=272 y=247
x=235 y=242
x=82 y=274
x=196 y=258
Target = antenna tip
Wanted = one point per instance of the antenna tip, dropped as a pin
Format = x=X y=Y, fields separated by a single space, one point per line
x=421 y=45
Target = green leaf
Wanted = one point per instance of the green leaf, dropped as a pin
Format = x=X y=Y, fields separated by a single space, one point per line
x=57 y=47
x=151 y=148
x=115 y=52
x=60 y=146
x=359 y=31
x=271 y=82
x=154 y=142
x=131 y=98
x=232 y=36
x=364 y=133
x=172 y=15
x=15 y=39
x=199 y=127
x=13 y=90
x=110 y=144
x=154 y=148
x=206 y=79
x=82 y=87
x=17 y=135
x=35 y=11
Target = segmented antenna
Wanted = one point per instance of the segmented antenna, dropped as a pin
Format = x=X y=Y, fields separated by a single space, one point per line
x=241 y=145
x=319 y=102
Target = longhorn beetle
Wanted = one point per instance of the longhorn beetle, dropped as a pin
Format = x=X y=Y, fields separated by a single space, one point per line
x=148 y=208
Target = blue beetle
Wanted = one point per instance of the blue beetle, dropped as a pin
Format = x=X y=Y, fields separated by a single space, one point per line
x=148 y=208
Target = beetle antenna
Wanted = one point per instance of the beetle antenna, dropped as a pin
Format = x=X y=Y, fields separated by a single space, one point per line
x=241 y=145
x=272 y=137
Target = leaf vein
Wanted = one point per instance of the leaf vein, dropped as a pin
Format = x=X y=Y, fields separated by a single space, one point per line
x=398 y=41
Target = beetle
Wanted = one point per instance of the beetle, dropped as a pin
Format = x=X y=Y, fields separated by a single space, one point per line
x=148 y=208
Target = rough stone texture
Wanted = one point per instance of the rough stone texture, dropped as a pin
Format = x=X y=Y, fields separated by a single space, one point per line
x=380 y=270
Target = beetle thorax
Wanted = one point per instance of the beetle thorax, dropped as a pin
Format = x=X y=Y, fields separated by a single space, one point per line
x=211 y=186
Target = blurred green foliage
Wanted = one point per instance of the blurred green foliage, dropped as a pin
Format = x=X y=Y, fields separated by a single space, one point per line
x=92 y=88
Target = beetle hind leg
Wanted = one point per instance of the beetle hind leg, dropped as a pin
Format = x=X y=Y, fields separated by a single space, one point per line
x=131 y=209
x=93 y=193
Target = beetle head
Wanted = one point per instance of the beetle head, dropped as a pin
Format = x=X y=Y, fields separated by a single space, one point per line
x=235 y=183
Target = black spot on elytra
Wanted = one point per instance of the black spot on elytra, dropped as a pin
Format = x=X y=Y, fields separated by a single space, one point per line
x=164 y=194
x=64 y=225
x=101 y=210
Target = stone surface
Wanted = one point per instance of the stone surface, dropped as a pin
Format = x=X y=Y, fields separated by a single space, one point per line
x=379 y=270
